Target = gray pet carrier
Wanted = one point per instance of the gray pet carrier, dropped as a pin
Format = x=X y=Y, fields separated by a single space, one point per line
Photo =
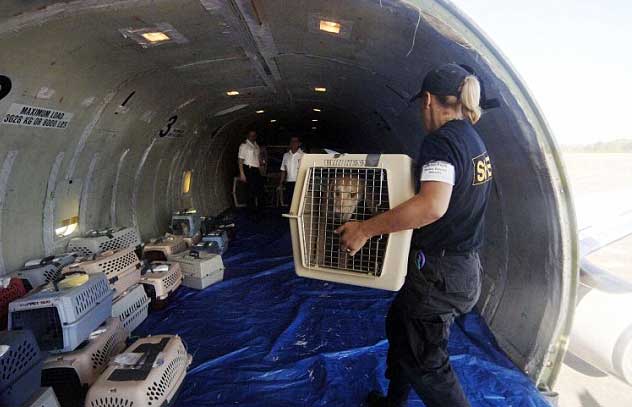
x=131 y=308
x=62 y=315
x=20 y=367
x=97 y=241
x=38 y=272
x=44 y=397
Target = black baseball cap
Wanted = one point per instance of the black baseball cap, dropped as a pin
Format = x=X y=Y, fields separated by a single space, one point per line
x=444 y=80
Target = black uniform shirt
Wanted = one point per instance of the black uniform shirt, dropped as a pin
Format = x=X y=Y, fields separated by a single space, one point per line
x=461 y=228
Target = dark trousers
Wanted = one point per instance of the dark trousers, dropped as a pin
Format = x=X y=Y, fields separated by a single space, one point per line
x=418 y=326
x=288 y=192
x=254 y=182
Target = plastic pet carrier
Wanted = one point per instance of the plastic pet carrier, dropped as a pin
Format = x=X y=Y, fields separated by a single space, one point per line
x=71 y=374
x=208 y=247
x=159 y=249
x=20 y=367
x=44 y=397
x=334 y=189
x=200 y=269
x=63 y=314
x=149 y=373
x=97 y=241
x=122 y=268
x=218 y=236
x=12 y=291
x=131 y=308
x=38 y=272
x=225 y=222
x=185 y=224
x=160 y=280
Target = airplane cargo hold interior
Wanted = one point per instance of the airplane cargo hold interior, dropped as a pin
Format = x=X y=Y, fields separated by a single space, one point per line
x=131 y=276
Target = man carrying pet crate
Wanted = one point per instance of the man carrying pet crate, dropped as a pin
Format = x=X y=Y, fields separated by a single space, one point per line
x=444 y=270
x=289 y=169
x=249 y=157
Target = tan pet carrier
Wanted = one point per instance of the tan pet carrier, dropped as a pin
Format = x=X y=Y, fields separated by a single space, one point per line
x=148 y=374
x=44 y=397
x=161 y=279
x=97 y=241
x=334 y=189
x=70 y=374
x=121 y=267
x=200 y=269
x=159 y=249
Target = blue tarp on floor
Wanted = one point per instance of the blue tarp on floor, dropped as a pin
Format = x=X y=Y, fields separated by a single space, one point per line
x=264 y=337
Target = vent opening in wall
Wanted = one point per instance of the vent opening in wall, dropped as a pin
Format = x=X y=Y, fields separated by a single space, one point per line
x=67 y=226
x=187 y=178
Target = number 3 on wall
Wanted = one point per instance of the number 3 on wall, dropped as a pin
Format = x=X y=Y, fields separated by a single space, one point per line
x=167 y=129
x=5 y=86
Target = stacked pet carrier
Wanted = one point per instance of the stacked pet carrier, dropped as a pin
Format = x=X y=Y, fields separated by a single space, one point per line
x=97 y=241
x=217 y=238
x=188 y=225
x=121 y=266
x=10 y=290
x=159 y=249
x=39 y=272
x=149 y=373
x=334 y=189
x=160 y=280
x=63 y=314
x=71 y=374
x=200 y=269
x=20 y=370
x=131 y=308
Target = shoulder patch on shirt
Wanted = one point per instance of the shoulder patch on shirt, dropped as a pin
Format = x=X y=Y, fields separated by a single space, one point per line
x=440 y=171
x=482 y=169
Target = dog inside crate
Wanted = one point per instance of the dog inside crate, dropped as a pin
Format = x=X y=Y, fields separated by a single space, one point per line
x=333 y=197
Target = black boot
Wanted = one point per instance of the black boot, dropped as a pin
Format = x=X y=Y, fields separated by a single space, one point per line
x=376 y=399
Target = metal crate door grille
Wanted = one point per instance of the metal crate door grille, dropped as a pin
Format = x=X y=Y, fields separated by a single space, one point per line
x=334 y=196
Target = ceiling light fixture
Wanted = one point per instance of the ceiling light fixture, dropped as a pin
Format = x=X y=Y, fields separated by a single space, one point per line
x=154 y=37
x=330 y=26
x=273 y=121
x=232 y=93
x=260 y=111
x=314 y=128
x=314 y=120
x=317 y=110
x=320 y=89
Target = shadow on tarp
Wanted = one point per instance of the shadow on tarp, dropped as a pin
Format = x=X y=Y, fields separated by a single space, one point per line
x=264 y=337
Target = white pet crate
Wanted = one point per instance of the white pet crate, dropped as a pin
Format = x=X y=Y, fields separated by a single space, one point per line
x=200 y=269
x=71 y=374
x=334 y=189
x=97 y=241
x=20 y=367
x=121 y=266
x=131 y=308
x=159 y=249
x=63 y=316
x=149 y=373
x=161 y=279
x=38 y=272
x=44 y=397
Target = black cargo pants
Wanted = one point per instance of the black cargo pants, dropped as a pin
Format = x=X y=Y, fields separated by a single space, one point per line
x=418 y=326
x=255 y=185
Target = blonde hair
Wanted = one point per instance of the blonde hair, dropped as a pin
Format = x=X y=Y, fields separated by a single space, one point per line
x=471 y=98
x=468 y=101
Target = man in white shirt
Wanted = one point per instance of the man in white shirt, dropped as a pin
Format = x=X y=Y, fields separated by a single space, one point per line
x=249 y=163
x=289 y=168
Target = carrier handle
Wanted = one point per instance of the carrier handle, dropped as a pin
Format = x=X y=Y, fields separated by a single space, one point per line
x=194 y=253
x=63 y=276
x=46 y=260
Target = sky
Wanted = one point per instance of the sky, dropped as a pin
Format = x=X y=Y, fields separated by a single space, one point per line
x=574 y=55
